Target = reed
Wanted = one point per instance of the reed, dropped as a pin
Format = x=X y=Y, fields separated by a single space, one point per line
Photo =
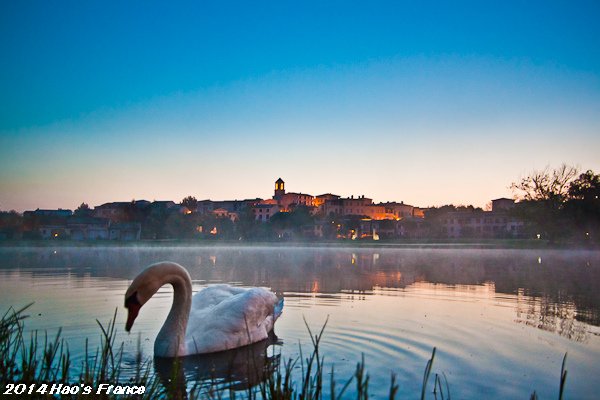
x=33 y=361
x=24 y=361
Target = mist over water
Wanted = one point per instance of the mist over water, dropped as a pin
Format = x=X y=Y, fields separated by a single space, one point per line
x=501 y=319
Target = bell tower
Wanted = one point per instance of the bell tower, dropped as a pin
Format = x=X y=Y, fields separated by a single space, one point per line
x=279 y=188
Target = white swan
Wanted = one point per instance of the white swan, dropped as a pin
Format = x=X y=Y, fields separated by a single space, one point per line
x=219 y=317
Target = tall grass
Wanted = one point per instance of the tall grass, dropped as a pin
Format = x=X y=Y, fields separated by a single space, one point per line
x=37 y=360
x=25 y=361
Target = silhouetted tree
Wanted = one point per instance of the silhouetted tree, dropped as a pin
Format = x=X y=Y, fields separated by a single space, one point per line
x=246 y=225
x=548 y=185
x=291 y=222
x=83 y=210
x=154 y=222
x=543 y=196
x=11 y=224
x=583 y=206
x=350 y=223
x=586 y=187
x=190 y=202
x=133 y=212
x=183 y=226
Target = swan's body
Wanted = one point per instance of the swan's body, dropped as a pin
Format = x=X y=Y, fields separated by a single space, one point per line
x=219 y=317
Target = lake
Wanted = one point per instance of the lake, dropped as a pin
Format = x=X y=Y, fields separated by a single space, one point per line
x=501 y=320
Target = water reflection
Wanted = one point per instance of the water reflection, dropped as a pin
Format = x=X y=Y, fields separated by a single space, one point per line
x=564 y=285
x=237 y=369
x=494 y=315
x=543 y=313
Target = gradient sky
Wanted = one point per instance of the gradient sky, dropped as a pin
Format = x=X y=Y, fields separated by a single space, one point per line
x=419 y=102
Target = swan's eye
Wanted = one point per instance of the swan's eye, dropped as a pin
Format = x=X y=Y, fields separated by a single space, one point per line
x=132 y=301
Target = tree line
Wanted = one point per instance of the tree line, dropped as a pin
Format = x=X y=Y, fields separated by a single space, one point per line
x=560 y=205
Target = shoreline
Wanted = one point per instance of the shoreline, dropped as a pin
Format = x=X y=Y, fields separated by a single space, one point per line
x=524 y=244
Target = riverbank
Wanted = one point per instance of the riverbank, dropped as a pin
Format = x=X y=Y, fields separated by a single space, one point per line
x=405 y=243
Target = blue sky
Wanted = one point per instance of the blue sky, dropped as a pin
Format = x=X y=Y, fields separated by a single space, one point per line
x=427 y=103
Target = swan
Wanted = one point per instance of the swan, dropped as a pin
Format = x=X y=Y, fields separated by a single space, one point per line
x=219 y=317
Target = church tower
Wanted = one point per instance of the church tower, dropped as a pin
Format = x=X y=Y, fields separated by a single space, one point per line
x=279 y=188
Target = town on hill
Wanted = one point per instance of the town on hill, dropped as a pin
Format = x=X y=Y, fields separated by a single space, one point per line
x=555 y=205
x=287 y=215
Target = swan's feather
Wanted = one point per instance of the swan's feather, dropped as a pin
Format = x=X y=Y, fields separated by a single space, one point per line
x=224 y=317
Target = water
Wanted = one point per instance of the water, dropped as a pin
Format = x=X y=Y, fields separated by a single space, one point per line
x=501 y=319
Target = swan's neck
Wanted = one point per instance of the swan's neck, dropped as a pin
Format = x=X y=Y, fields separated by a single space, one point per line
x=170 y=341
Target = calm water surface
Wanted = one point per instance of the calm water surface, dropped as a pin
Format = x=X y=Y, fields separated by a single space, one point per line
x=501 y=319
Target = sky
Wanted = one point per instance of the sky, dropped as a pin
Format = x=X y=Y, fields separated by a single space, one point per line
x=423 y=102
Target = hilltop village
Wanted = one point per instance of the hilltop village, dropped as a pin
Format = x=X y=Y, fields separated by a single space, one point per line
x=285 y=216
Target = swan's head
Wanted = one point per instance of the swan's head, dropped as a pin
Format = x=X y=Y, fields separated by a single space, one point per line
x=143 y=287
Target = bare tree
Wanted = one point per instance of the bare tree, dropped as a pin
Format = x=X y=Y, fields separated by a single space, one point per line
x=546 y=185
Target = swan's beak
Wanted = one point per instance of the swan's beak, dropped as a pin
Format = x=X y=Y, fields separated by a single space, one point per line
x=133 y=308
x=131 y=316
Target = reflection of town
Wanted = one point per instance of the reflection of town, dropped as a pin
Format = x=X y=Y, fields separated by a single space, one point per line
x=554 y=290
x=552 y=316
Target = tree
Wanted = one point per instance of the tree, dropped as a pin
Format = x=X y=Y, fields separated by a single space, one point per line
x=583 y=206
x=246 y=225
x=551 y=185
x=294 y=221
x=182 y=226
x=543 y=195
x=190 y=202
x=132 y=212
x=11 y=224
x=83 y=210
x=154 y=221
x=586 y=187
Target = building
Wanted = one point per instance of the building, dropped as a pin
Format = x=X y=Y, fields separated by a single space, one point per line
x=264 y=212
x=232 y=206
x=125 y=231
x=205 y=206
x=497 y=223
x=286 y=201
x=348 y=206
x=161 y=205
x=48 y=213
x=279 y=189
x=88 y=228
x=120 y=210
x=223 y=213
x=502 y=204
x=53 y=231
x=46 y=224
x=229 y=205
x=399 y=210
x=321 y=199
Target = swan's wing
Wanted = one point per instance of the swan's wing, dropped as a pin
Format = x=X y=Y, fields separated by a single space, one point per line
x=213 y=295
x=240 y=319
